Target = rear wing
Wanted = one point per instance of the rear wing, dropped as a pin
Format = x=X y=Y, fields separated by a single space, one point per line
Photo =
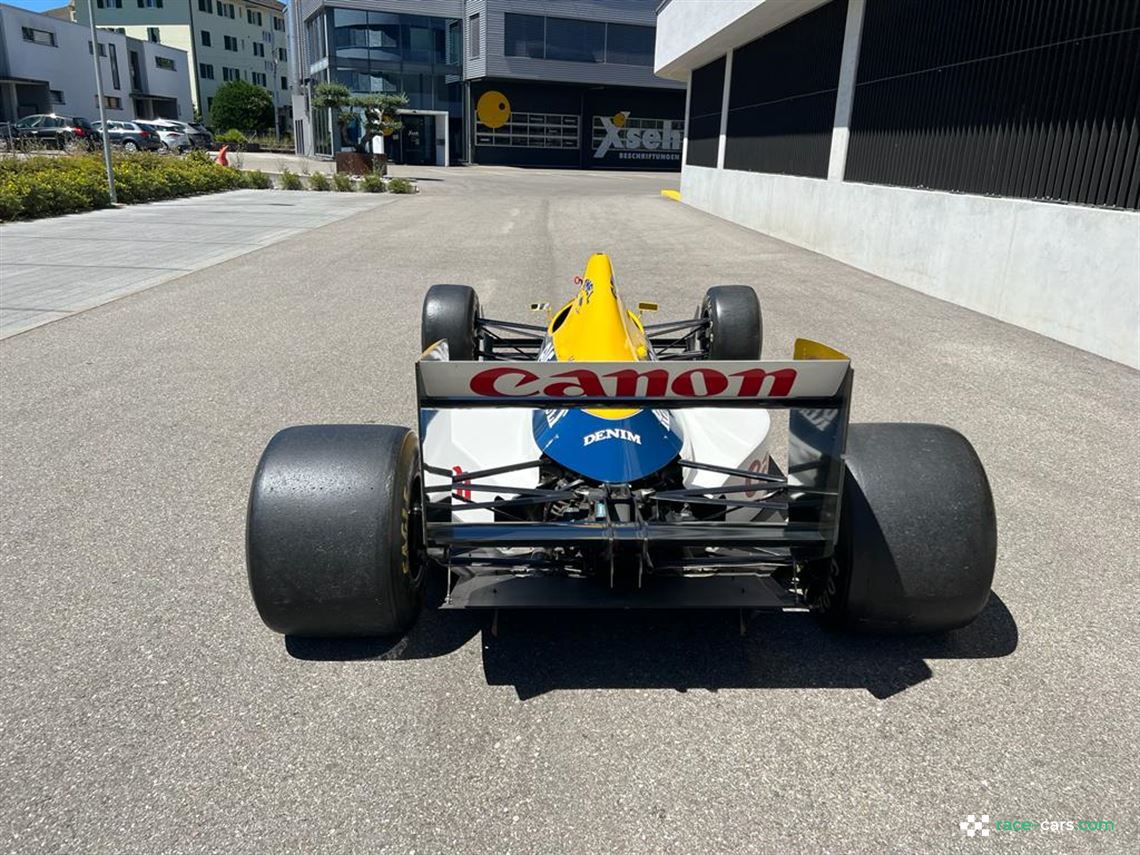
x=802 y=383
x=815 y=387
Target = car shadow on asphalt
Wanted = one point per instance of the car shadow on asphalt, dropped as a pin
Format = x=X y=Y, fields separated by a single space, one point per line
x=544 y=651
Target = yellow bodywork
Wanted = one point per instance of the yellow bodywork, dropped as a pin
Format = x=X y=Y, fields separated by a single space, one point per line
x=597 y=327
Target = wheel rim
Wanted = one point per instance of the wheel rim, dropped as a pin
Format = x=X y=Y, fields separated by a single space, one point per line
x=130 y=146
x=416 y=563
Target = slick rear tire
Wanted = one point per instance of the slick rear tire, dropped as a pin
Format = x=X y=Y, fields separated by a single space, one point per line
x=735 y=325
x=451 y=312
x=333 y=533
x=917 y=533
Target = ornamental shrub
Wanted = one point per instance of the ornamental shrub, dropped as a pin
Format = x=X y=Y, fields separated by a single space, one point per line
x=373 y=183
x=400 y=185
x=318 y=181
x=50 y=186
x=342 y=183
x=255 y=179
x=290 y=180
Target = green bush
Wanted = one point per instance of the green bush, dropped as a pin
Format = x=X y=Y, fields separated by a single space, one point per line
x=318 y=181
x=49 y=186
x=255 y=179
x=291 y=181
x=342 y=183
x=373 y=183
x=234 y=138
x=241 y=105
x=400 y=185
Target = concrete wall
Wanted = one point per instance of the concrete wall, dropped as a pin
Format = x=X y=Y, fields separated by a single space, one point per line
x=1066 y=271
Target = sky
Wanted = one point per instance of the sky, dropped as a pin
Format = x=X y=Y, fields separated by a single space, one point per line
x=37 y=5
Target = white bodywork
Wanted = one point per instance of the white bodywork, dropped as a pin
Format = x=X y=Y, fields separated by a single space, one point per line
x=469 y=440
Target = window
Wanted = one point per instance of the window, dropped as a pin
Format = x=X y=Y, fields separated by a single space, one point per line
x=474 y=37
x=112 y=102
x=231 y=42
x=253 y=17
x=284 y=82
x=57 y=96
x=205 y=71
x=206 y=6
x=109 y=4
x=114 y=67
x=39 y=37
x=230 y=73
x=205 y=38
x=150 y=4
x=281 y=54
x=454 y=48
x=258 y=49
x=575 y=41
x=531 y=130
x=102 y=48
x=164 y=62
x=525 y=36
x=279 y=24
x=152 y=34
x=629 y=45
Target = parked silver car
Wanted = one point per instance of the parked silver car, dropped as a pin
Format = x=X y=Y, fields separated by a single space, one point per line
x=172 y=138
x=196 y=135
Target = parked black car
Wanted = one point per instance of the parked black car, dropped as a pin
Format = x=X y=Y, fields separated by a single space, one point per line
x=130 y=136
x=50 y=129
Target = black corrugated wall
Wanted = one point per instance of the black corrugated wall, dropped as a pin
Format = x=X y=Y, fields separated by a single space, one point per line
x=781 y=102
x=1034 y=99
x=706 y=96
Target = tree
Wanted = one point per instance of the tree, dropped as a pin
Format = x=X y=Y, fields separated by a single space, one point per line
x=380 y=116
x=379 y=111
x=335 y=97
x=242 y=106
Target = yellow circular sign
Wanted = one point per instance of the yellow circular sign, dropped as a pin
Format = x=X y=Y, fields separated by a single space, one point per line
x=493 y=109
x=619 y=118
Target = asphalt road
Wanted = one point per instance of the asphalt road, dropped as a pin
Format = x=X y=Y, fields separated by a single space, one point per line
x=144 y=708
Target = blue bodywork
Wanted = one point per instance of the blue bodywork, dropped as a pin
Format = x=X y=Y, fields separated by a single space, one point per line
x=613 y=451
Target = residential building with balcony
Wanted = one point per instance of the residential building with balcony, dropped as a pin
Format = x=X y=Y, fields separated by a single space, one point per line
x=238 y=40
x=46 y=67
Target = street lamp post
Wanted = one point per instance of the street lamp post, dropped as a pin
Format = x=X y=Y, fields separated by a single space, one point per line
x=102 y=105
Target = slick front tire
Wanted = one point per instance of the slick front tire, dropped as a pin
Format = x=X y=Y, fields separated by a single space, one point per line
x=451 y=312
x=735 y=325
x=333 y=533
x=917 y=533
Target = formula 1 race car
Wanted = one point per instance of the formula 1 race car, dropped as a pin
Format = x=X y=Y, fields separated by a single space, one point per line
x=601 y=461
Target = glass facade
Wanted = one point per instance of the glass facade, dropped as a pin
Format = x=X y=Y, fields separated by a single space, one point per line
x=571 y=40
x=373 y=52
x=385 y=52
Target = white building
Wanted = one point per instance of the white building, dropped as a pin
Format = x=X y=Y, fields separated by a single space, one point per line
x=46 y=67
x=984 y=153
x=240 y=40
